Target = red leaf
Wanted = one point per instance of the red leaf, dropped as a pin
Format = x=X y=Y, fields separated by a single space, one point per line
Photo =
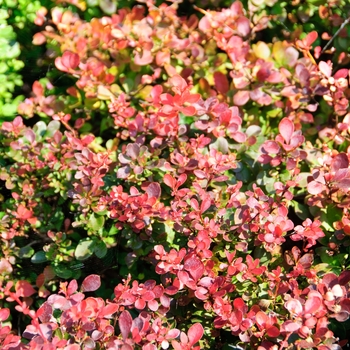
x=261 y=319
x=286 y=129
x=195 y=333
x=311 y=38
x=24 y=289
x=125 y=323
x=195 y=267
x=109 y=309
x=91 y=283
x=169 y=181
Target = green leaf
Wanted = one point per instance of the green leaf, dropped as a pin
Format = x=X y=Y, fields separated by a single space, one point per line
x=26 y=252
x=100 y=250
x=52 y=127
x=64 y=272
x=39 y=257
x=301 y=210
x=96 y=222
x=84 y=250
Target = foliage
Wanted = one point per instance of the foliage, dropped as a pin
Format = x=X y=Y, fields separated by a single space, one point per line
x=191 y=177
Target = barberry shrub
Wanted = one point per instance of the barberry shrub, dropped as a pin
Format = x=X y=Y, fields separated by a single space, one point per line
x=179 y=179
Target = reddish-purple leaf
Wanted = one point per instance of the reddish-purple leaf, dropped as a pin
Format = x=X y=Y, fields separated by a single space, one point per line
x=194 y=204
x=195 y=333
x=221 y=82
x=125 y=323
x=344 y=185
x=91 y=283
x=344 y=277
x=286 y=129
x=154 y=190
x=133 y=150
x=340 y=161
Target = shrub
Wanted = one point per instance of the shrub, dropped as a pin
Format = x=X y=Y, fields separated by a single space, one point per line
x=190 y=177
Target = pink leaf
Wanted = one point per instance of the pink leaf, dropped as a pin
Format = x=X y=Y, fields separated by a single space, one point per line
x=325 y=69
x=243 y=26
x=178 y=83
x=313 y=302
x=147 y=58
x=70 y=60
x=39 y=39
x=290 y=326
x=286 y=129
x=91 y=283
x=315 y=187
x=205 y=205
x=195 y=333
x=241 y=98
x=125 y=323
x=239 y=137
x=4 y=314
x=270 y=147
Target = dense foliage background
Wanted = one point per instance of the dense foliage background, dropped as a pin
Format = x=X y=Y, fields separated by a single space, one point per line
x=174 y=175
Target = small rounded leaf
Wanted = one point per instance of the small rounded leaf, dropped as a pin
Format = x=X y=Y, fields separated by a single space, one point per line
x=91 y=283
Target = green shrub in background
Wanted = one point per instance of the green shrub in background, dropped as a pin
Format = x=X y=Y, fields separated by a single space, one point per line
x=16 y=26
x=9 y=67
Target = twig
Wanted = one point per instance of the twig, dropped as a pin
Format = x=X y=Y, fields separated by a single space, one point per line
x=336 y=34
